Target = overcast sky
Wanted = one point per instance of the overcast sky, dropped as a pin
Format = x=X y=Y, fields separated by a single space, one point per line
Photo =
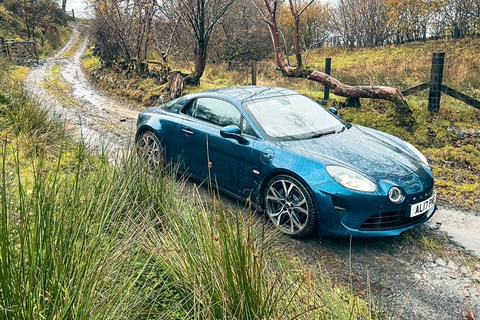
x=80 y=8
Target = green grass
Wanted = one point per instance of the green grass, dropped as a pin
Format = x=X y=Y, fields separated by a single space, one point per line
x=81 y=239
x=56 y=85
x=74 y=48
x=141 y=91
x=229 y=265
x=53 y=41
x=64 y=252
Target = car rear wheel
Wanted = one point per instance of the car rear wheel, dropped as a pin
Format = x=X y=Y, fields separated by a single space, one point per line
x=290 y=206
x=150 y=149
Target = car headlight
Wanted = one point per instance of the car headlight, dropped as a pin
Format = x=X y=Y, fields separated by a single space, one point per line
x=417 y=153
x=351 y=179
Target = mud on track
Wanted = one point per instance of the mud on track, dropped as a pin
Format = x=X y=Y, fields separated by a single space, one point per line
x=423 y=274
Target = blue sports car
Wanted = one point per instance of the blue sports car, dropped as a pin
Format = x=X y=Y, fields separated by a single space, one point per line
x=306 y=168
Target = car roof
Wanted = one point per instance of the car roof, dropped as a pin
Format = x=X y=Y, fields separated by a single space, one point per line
x=245 y=93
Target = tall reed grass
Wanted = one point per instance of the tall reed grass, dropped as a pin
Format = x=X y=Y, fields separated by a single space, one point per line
x=81 y=239
x=70 y=243
x=228 y=265
x=103 y=242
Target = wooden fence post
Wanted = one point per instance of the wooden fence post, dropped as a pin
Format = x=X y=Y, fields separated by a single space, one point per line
x=254 y=73
x=436 y=78
x=328 y=65
x=3 y=47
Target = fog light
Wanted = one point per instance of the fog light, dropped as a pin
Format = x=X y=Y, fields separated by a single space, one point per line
x=396 y=195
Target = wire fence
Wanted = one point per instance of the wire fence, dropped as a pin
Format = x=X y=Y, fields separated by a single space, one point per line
x=427 y=76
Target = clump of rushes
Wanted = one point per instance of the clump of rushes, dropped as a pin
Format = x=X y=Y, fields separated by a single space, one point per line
x=71 y=243
x=22 y=119
x=70 y=246
x=229 y=265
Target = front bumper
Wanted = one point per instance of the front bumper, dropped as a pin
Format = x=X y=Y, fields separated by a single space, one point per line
x=350 y=213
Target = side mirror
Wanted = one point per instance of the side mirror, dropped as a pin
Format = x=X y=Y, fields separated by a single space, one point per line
x=233 y=132
x=334 y=111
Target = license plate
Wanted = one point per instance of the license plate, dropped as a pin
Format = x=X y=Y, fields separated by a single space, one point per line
x=422 y=207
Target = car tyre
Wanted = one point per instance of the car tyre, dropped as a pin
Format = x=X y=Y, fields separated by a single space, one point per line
x=290 y=206
x=150 y=150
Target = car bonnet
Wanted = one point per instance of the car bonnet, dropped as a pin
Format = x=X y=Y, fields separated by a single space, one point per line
x=361 y=149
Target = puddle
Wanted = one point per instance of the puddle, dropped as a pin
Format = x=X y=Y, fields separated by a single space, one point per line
x=464 y=228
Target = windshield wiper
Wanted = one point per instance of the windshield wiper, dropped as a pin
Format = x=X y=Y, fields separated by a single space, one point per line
x=321 y=134
x=346 y=126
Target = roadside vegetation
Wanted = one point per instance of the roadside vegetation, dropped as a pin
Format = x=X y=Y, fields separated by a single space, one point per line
x=82 y=239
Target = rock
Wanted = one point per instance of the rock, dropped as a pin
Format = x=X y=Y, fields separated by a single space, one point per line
x=452 y=265
x=441 y=262
x=436 y=226
x=417 y=276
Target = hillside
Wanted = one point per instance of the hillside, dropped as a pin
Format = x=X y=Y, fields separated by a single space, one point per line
x=50 y=30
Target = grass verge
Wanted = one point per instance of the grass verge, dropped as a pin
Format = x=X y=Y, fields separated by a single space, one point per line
x=56 y=85
x=74 y=48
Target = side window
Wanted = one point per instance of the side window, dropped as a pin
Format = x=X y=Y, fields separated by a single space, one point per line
x=215 y=111
x=190 y=109
x=245 y=127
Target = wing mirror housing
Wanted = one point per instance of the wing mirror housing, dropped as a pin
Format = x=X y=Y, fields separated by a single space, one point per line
x=233 y=132
x=334 y=111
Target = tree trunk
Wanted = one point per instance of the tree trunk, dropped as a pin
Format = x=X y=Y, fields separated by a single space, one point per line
x=298 y=54
x=343 y=90
x=64 y=5
x=200 y=62
x=176 y=85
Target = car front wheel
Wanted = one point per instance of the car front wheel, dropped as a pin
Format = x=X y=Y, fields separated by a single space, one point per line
x=290 y=206
x=150 y=149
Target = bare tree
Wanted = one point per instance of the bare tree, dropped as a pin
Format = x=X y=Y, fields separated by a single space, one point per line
x=124 y=30
x=201 y=17
x=459 y=17
x=316 y=27
x=409 y=20
x=239 y=36
x=35 y=14
x=297 y=10
x=268 y=11
x=361 y=23
x=269 y=14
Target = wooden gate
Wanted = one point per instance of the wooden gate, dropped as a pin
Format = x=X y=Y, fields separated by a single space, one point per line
x=21 y=52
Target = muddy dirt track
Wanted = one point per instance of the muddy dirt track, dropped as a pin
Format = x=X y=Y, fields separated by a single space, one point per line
x=429 y=273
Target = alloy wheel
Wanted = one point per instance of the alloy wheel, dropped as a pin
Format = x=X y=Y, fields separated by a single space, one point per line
x=287 y=205
x=150 y=149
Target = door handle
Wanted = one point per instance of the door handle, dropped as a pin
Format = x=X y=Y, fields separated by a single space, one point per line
x=187 y=131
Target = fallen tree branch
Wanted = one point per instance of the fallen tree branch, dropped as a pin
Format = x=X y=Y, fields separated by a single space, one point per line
x=269 y=15
x=374 y=92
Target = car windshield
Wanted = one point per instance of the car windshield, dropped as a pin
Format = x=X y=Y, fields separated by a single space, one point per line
x=291 y=117
x=170 y=103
